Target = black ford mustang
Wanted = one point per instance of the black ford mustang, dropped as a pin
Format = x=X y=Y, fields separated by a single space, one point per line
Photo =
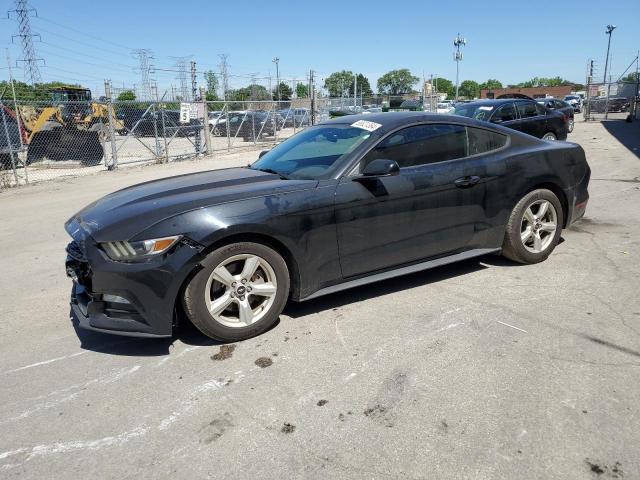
x=353 y=200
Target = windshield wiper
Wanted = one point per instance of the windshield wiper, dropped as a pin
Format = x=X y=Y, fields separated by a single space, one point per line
x=270 y=170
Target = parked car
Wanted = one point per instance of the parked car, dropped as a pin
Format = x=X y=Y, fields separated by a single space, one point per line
x=149 y=122
x=351 y=201
x=11 y=143
x=615 y=104
x=520 y=114
x=444 y=107
x=251 y=125
x=215 y=119
x=298 y=117
x=575 y=101
x=559 y=106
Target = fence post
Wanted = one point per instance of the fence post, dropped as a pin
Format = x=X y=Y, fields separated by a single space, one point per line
x=205 y=121
x=164 y=136
x=9 y=143
x=112 y=131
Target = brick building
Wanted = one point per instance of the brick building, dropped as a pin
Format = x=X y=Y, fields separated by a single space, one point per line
x=534 y=92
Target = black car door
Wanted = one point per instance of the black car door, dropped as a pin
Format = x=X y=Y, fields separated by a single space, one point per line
x=506 y=115
x=430 y=208
x=533 y=117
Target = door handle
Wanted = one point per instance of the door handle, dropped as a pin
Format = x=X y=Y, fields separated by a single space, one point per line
x=466 y=182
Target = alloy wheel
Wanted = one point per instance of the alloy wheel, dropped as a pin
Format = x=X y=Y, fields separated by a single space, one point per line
x=538 y=227
x=241 y=290
x=549 y=136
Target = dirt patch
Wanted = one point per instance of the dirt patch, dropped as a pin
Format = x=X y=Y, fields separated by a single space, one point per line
x=264 y=362
x=226 y=351
x=322 y=403
x=288 y=428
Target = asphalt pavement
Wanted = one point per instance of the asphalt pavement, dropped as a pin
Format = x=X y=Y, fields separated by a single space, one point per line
x=480 y=370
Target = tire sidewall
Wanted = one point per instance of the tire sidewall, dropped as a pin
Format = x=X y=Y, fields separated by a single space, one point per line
x=194 y=298
x=514 y=234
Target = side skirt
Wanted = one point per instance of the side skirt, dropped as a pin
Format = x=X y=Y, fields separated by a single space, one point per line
x=376 y=277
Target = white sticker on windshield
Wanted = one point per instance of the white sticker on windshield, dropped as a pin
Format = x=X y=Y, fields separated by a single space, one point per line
x=365 y=125
x=485 y=108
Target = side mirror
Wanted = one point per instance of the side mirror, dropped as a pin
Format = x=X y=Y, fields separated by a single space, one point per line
x=263 y=153
x=381 y=168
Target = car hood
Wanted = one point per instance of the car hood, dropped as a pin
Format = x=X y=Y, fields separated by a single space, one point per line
x=123 y=214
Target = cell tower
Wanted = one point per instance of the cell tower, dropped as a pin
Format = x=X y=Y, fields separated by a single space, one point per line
x=224 y=72
x=144 y=56
x=181 y=66
x=31 y=70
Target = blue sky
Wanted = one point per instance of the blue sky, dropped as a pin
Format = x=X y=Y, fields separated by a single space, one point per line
x=87 y=41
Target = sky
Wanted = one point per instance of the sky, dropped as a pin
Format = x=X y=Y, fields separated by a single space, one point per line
x=89 y=41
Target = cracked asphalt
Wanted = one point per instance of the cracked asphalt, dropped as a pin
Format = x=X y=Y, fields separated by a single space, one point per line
x=480 y=370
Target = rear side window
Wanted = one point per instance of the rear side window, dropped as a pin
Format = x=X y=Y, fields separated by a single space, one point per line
x=483 y=141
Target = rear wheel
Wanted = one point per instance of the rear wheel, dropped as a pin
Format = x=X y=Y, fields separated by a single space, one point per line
x=534 y=227
x=549 y=136
x=239 y=293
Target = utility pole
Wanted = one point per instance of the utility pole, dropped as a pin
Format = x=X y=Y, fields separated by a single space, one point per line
x=31 y=70
x=458 y=42
x=112 y=132
x=355 y=91
x=277 y=62
x=224 y=72
x=194 y=93
x=312 y=94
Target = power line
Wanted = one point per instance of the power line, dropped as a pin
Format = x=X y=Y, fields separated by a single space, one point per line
x=86 y=34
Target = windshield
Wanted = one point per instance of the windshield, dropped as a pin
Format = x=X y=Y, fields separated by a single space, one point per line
x=479 y=112
x=312 y=153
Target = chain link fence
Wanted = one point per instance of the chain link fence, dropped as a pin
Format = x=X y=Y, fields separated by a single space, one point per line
x=615 y=100
x=45 y=140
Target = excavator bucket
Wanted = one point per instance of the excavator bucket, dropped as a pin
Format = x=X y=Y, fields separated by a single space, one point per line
x=66 y=143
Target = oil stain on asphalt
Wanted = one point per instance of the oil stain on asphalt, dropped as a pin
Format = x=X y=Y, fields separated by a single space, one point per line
x=226 y=351
x=264 y=362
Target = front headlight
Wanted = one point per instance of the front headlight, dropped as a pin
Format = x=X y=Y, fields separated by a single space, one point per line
x=123 y=251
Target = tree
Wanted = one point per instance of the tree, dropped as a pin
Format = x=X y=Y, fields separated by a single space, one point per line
x=339 y=83
x=126 y=95
x=469 y=89
x=397 y=82
x=631 y=78
x=444 y=86
x=302 y=90
x=252 y=92
x=212 y=85
x=24 y=91
x=364 y=87
x=285 y=92
x=491 y=84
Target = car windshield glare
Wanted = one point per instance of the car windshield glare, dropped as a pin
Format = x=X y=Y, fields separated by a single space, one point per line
x=312 y=153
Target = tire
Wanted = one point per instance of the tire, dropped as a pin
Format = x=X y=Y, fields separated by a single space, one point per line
x=570 y=125
x=549 y=136
x=232 y=300
x=523 y=248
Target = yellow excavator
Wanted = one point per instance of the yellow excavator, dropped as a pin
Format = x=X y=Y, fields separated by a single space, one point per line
x=69 y=127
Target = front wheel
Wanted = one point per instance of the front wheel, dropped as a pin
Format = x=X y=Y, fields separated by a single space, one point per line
x=239 y=293
x=570 y=125
x=549 y=136
x=534 y=227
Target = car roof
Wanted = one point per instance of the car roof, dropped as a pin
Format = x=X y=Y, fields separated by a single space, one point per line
x=391 y=120
x=497 y=101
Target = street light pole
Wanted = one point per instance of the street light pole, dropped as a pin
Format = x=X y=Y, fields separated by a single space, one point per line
x=277 y=62
x=458 y=42
x=610 y=29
